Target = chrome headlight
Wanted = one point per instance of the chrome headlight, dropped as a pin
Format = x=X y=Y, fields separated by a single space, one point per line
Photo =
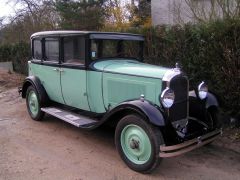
x=202 y=90
x=167 y=97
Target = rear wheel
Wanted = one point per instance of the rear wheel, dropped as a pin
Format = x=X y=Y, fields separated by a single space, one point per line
x=138 y=143
x=33 y=104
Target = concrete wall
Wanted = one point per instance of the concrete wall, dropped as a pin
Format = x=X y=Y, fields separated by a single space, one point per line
x=178 y=11
x=6 y=66
x=164 y=11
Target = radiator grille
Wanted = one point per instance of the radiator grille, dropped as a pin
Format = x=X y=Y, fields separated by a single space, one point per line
x=179 y=110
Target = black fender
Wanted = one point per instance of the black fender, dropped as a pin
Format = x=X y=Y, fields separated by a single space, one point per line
x=211 y=101
x=198 y=107
x=142 y=107
x=36 y=83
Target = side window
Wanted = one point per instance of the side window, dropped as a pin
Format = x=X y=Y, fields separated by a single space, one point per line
x=37 y=49
x=51 y=49
x=74 y=50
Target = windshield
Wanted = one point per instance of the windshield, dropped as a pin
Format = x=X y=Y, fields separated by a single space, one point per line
x=101 y=48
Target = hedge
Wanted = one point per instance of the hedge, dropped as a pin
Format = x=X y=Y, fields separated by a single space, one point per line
x=18 y=53
x=207 y=52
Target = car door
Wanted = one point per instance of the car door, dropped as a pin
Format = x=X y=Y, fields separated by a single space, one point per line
x=73 y=72
x=47 y=69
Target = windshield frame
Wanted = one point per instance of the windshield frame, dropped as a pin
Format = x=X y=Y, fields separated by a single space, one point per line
x=116 y=37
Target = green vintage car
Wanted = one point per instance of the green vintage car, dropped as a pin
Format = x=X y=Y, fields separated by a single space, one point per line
x=90 y=78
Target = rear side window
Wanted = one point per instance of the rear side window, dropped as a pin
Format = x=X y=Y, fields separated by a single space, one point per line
x=51 y=49
x=74 y=50
x=37 y=49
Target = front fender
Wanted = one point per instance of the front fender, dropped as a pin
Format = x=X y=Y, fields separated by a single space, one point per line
x=142 y=107
x=211 y=99
x=198 y=107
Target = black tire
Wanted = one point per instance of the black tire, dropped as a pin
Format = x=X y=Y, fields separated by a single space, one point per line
x=38 y=116
x=154 y=135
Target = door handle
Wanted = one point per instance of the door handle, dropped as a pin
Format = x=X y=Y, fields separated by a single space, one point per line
x=56 y=69
x=61 y=70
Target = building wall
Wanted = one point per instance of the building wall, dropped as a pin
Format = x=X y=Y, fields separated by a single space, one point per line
x=178 y=11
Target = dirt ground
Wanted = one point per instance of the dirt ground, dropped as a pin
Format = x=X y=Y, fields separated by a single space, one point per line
x=53 y=149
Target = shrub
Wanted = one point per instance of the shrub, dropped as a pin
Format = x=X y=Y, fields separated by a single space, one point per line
x=18 y=53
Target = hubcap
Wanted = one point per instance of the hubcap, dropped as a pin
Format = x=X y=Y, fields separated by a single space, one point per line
x=136 y=144
x=33 y=103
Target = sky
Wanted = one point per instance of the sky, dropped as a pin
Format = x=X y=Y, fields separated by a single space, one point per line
x=6 y=8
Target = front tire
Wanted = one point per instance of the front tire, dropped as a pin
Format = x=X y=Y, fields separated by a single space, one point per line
x=138 y=143
x=33 y=104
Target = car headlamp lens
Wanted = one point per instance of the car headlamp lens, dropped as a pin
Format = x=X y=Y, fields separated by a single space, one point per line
x=167 y=98
x=202 y=90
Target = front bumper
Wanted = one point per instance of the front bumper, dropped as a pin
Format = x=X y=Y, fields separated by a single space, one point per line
x=178 y=149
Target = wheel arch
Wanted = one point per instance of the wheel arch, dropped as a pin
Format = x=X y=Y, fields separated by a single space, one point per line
x=36 y=83
x=140 y=107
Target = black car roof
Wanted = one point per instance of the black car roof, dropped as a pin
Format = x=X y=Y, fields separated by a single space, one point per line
x=92 y=34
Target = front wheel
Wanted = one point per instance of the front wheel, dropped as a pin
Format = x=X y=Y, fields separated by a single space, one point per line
x=33 y=104
x=138 y=143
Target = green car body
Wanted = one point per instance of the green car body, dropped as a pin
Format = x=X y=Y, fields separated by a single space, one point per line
x=111 y=83
x=103 y=75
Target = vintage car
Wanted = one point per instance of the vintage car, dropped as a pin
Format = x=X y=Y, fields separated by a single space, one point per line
x=90 y=78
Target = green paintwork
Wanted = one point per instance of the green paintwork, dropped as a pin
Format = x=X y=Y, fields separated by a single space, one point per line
x=113 y=82
x=128 y=79
x=131 y=67
x=50 y=80
x=33 y=103
x=94 y=89
x=74 y=89
x=141 y=153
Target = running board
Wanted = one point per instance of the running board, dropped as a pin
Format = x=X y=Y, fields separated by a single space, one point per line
x=70 y=117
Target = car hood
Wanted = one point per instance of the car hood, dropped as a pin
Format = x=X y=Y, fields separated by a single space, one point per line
x=130 y=67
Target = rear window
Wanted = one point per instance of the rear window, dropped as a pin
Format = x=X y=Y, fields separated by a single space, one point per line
x=37 y=49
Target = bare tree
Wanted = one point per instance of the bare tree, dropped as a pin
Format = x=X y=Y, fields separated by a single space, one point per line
x=31 y=17
x=214 y=9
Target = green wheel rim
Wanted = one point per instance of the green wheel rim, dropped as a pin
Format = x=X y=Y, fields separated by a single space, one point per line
x=33 y=103
x=136 y=144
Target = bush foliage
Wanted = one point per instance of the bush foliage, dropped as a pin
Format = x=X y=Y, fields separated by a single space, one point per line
x=18 y=53
x=209 y=52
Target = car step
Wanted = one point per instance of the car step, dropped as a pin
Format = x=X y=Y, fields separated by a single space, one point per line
x=70 y=117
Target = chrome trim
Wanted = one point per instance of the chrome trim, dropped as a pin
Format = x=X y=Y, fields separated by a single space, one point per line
x=175 y=150
x=170 y=74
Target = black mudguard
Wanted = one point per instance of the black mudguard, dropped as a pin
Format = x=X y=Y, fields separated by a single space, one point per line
x=142 y=107
x=198 y=107
x=36 y=83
